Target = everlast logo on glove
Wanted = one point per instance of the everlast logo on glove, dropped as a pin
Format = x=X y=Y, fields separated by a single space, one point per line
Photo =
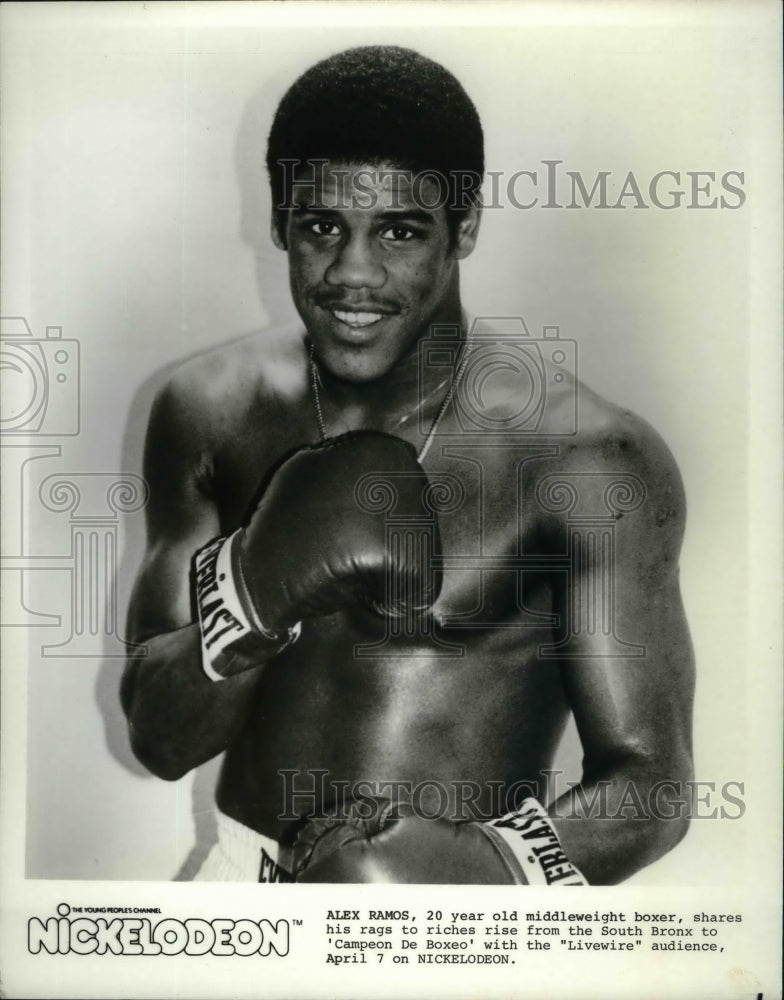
x=221 y=616
x=271 y=871
x=533 y=839
x=219 y=621
x=226 y=628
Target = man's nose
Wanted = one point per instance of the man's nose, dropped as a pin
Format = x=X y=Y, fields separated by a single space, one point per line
x=356 y=266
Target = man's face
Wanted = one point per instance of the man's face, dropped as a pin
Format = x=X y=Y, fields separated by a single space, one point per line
x=370 y=267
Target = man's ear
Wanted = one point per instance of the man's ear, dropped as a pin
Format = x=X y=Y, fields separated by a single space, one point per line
x=467 y=231
x=277 y=222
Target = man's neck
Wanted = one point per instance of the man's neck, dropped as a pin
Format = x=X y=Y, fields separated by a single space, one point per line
x=408 y=395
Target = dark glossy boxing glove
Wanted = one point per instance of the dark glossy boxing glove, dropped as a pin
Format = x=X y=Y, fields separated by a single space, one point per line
x=372 y=841
x=343 y=522
x=319 y=541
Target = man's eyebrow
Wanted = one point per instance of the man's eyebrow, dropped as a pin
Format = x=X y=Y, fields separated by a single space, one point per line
x=302 y=207
x=411 y=214
x=390 y=215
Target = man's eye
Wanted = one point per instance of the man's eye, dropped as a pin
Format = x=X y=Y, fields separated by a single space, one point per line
x=325 y=228
x=397 y=234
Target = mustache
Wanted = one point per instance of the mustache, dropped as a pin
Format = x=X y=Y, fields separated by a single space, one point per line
x=344 y=304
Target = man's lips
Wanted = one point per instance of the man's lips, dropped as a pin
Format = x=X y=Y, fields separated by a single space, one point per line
x=357 y=317
x=356 y=320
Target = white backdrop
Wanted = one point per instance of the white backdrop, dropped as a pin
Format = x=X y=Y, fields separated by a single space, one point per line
x=136 y=218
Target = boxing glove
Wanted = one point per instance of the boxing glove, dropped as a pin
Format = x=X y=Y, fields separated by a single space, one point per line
x=372 y=841
x=316 y=543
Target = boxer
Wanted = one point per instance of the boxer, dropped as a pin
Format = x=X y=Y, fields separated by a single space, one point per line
x=380 y=605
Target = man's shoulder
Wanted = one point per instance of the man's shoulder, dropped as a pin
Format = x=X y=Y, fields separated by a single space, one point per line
x=609 y=433
x=264 y=362
x=527 y=394
x=214 y=397
x=229 y=379
x=622 y=452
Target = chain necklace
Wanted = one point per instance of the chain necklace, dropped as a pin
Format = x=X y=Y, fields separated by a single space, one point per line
x=456 y=378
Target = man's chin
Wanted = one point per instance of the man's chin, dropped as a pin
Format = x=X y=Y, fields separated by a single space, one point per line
x=354 y=369
x=355 y=360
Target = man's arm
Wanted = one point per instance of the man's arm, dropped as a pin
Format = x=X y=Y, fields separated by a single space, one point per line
x=633 y=714
x=177 y=717
x=298 y=557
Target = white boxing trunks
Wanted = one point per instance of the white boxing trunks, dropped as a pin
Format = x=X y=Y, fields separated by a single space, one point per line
x=242 y=855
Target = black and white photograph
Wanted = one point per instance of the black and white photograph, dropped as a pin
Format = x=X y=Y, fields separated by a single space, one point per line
x=391 y=458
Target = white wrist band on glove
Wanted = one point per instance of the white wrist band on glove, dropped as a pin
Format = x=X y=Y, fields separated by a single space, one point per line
x=225 y=627
x=532 y=838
